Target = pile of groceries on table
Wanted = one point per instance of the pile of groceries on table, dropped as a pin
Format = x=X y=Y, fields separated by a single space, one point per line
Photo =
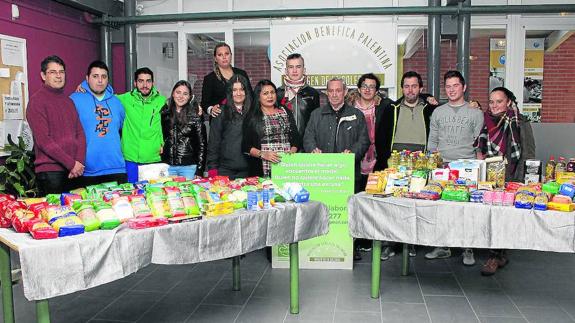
x=424 y=176
x=144 y=204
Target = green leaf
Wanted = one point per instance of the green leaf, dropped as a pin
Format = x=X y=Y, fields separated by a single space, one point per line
x=2 y=188
x=19 y=189
x=21 y=143
x=20 y=166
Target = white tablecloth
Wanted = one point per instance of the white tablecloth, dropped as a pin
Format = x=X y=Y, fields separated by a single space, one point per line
x=61 y=266
x=459 y=224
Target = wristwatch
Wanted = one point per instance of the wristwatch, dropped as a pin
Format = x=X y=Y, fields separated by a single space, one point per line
x=260 y=155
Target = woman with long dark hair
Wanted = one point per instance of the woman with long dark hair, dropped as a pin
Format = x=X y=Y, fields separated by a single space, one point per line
x=225 y=144
x=184 y=133
x=213 y=87
x=268 y=129
x=506 y=133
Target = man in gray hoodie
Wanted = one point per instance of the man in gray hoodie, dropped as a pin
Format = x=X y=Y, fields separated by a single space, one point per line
x=453 y=129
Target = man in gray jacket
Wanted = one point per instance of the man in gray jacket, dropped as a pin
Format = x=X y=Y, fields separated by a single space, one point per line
x=454 y=127
x=337 y=127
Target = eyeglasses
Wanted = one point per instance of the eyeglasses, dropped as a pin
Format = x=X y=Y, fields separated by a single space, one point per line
x=368 y=87
x=54 y=72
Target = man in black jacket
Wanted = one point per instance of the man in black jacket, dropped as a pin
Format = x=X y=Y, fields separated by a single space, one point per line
x=405 y=125
x=338 y=128
x=296 y=94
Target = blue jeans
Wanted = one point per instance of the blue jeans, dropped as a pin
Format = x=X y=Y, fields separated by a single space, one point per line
x=132 y=171
x=187 y=171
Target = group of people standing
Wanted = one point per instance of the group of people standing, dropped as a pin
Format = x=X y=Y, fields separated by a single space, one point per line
x=95 y=135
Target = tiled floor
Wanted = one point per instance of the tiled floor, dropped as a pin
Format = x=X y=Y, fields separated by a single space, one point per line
x=534 y=287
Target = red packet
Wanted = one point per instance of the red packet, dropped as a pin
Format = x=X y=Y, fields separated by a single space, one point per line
x=39 y=229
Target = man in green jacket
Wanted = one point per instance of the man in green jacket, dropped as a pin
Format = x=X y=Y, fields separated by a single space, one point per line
x=142 y=139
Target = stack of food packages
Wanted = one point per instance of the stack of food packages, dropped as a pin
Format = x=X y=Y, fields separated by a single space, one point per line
x=422 y=176
x=141 y=205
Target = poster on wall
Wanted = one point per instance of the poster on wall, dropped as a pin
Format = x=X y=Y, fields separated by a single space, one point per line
x=329 y=178
x=533 y=79
x=13 y=88
x=533 y=73
x=345 y=50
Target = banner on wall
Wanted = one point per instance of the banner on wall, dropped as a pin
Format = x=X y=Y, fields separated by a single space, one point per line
x=345 y=50
x=329 y=178
x=533 y=79
x=533 y=73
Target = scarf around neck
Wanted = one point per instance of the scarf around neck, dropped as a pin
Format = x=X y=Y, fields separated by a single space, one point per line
x=493 y=139
x=292 y=87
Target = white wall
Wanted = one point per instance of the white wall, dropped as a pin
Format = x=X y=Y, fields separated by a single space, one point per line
x=554 y=139
x=150 y=55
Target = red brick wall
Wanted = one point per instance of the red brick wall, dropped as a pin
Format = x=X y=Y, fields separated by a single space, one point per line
x=559 y=84
x=254 y=60
x=558 y=75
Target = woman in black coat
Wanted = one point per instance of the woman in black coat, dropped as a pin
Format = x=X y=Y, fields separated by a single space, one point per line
x=214 y=85
x=225 y=145
x=506 y=133
x=268 y=130
x=184 y=133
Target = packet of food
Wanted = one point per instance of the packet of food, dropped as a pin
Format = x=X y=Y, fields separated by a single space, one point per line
x=541 y=201
x=123 y=208
x=37 y=208
x=86 y=212
x=190 y=204
x=53 y=199
x=53 y=212
x=176 y=205
x=496 y=171
x=374 y=183
x=32 y=200
x=21 y=219
x=158 y=206
x=524 y=200
x=143 y=223
x=69 y=198
x=68 y=226
x=140 y=206
x=39 y=229
x=106 y=215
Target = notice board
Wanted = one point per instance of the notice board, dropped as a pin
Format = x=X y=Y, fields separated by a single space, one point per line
x=13 y=88
x=329 y=178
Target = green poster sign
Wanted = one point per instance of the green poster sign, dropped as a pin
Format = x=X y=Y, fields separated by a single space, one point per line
x=329 y=178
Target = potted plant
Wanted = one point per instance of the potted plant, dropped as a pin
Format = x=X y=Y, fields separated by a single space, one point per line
x=17 y=175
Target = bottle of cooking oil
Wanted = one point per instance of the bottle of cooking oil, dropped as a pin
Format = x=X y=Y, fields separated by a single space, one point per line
x=550 y=169
x=393 y=161
x=402 y=160
x=561 y=165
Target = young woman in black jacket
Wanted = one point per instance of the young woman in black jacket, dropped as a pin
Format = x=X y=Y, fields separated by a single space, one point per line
x=213 y=87
x=267 y=130
x=225 y=144
x=184 y=133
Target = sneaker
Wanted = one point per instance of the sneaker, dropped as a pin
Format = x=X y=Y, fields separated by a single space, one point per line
x=492 y=264
x=365 y=249
x=412 y=252
x=438 y=253
x=468 y=259
x=387 y=253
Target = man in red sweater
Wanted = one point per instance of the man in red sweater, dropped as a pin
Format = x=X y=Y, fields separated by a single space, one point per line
x=59 y=141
